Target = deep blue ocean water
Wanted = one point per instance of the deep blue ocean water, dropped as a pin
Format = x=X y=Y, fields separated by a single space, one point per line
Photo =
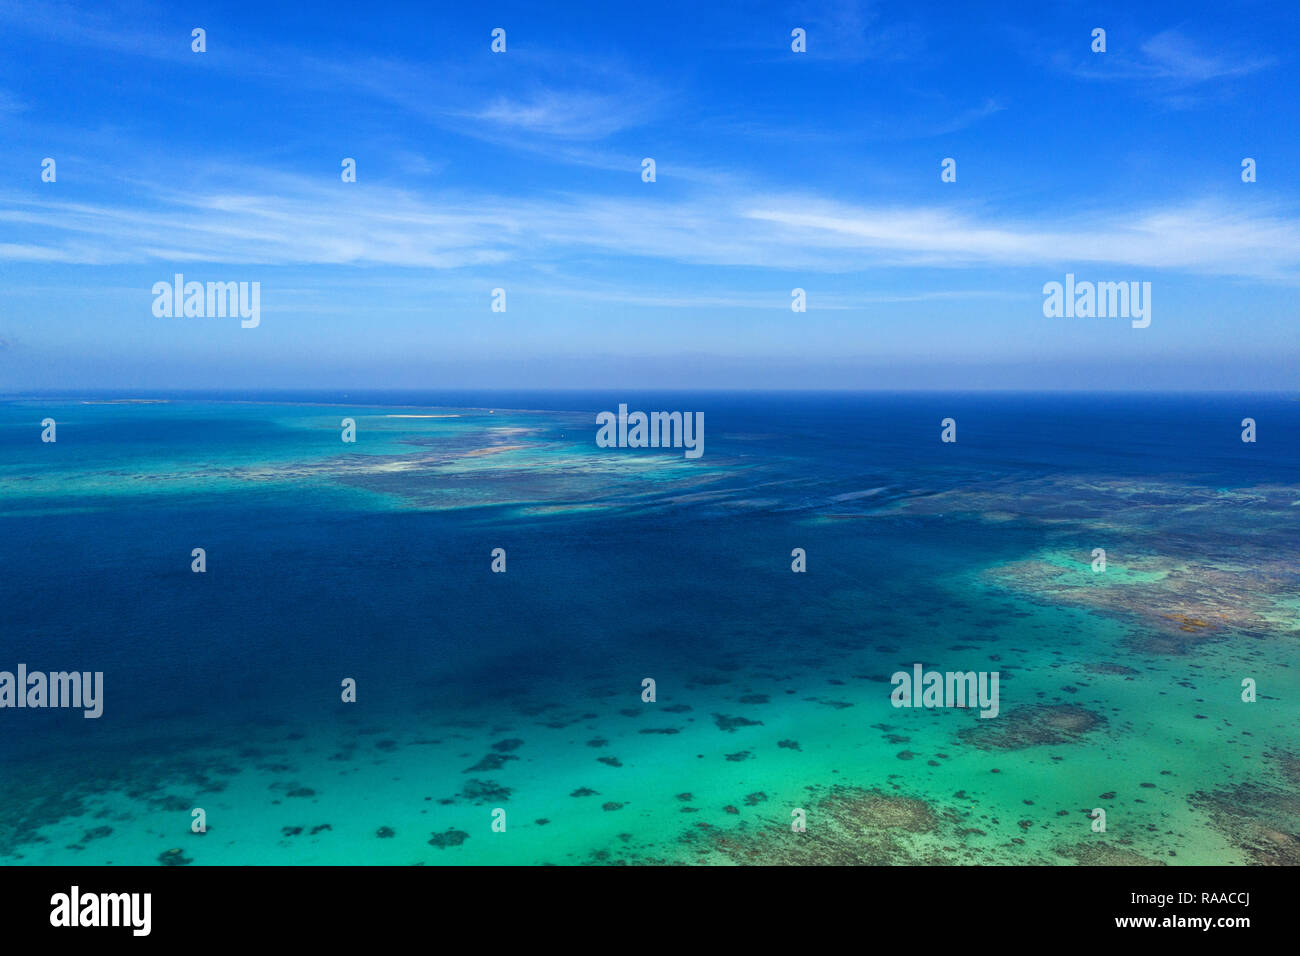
x=299 y=589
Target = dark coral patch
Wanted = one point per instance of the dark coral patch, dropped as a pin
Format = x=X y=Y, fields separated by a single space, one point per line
x=449 y=838
x=485 y=791
x=729 y=724
x=490 y=762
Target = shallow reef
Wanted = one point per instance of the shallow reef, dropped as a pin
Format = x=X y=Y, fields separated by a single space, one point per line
x=1032 y=725
x=1261 y=820
x=1244 y=568
x=1105 y=854
x=846 y=826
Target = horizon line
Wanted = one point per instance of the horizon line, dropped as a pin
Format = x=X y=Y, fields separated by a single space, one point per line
x=153 y=393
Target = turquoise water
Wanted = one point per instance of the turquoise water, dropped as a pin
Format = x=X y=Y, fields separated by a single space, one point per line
x=521 y=692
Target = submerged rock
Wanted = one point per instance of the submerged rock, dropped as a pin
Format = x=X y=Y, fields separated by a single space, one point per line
x=450 y=838
x=729 y=724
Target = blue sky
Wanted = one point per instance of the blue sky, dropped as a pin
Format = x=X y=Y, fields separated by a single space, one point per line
x=775 y=170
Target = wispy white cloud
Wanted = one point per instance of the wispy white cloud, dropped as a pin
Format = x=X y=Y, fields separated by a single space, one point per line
x=881 y=123
x=294 y=220
x=562 y=114
x=1199 y=236
x=567 y=96
x=1170 y=66
x=854 y=31
x=1172 y=56
x=968 y=117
